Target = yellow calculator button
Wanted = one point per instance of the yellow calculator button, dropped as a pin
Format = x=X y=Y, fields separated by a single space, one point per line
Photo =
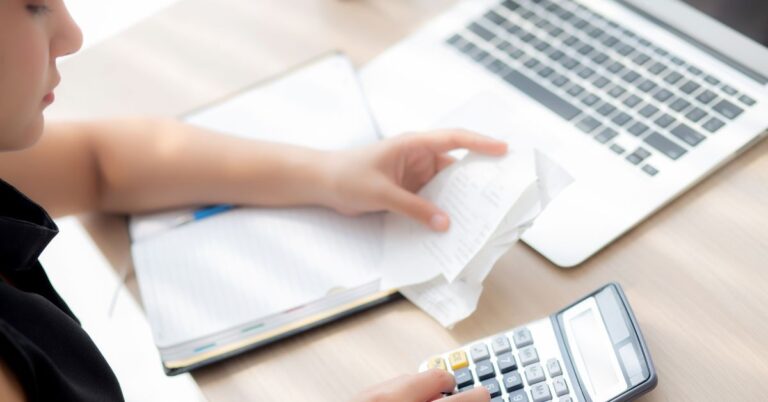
x=436 y=362
x=458 y=359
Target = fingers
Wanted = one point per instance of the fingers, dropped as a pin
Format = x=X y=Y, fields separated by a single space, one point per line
x=409 y=204
x=425 y=385
x=446 y=140
x=443 y=161
x=479 y=394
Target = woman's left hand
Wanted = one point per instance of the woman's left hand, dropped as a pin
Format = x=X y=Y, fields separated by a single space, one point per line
x=387 y=175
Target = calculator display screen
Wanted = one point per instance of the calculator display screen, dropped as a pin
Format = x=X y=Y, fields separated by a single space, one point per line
x=592 y=351
x=604 y=348
x=596 y=354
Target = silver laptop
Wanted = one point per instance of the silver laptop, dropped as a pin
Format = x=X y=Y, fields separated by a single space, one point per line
x=637 y=99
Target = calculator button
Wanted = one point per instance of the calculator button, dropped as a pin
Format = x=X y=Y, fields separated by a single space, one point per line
x=534 y=374
x=506 y=363
x=560 y=386
x=479 y=352
x=484 y=370
x=458 y=359
x=523 y=338
x=553 y=367
x=493 y=387
x=437 y=362
x=565 y=399
x=497 y=399
x=528 y=355
x=463 y=377
x=512 y=381
x=500 y=344
x=518 y=396
x=540 y=393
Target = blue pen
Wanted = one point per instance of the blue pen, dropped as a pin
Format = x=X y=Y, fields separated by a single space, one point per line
x=200 y=214
x=207 y=212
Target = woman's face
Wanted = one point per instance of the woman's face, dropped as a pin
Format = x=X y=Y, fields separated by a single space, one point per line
x=33 y=34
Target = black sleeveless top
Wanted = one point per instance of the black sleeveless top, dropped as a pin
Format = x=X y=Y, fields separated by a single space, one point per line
x=41 y=340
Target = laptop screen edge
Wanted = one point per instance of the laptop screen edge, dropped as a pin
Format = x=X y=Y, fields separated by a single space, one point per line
x=723 y=42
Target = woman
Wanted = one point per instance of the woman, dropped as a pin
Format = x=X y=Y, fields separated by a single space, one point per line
x=132 y=166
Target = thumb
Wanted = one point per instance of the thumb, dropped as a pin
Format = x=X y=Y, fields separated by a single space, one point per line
x=404 y=202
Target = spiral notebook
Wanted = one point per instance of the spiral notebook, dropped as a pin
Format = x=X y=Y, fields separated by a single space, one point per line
x=242 y=279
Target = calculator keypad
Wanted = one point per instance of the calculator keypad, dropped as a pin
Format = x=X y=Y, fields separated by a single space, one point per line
x=509 y=366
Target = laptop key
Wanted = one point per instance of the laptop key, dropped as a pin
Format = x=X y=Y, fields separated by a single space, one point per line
x=560 y=80
x=632 y=100
x=615 y=67
x=618 y=150
x=713 y=124
x=650 y=170
x=706 y=97
x=693 y=70
x=689 y=87
x=646 y=86
x=625 y=50
x=747 y=100
x=616 y=91
x=664 y=145
x=630 y=77
x=648 y=110
x=481 y=31
x=546 y=72
x=575 y=90
x=657 y=68
x=638 y=129
x=531 y=63
x=662 y=95
x=664 y=120
x=600 y=58
x=600 y=82
x=586 y=72
x=606 y=135
x=687 y=134
x=569 y=63
x=586 y=49
x=494 y=17
x=621 y=119
x=542 y=95
x=711 y=80
x=590 y=100
x=679 y=104
x=730 y=90
x=728 y=109
x=606 y=108
x=673 y=77
x=556 y=55
x=640 y=59
x=696 y=114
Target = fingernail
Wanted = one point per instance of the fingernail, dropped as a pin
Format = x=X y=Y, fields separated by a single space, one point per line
x=439 y=222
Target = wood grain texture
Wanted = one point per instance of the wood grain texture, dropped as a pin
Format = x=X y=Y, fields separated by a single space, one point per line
x=696 y=273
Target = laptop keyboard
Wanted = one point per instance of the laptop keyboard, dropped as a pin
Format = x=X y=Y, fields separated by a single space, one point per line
x=608 y=81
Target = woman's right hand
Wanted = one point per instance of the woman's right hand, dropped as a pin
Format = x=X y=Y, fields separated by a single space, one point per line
x=422 y=387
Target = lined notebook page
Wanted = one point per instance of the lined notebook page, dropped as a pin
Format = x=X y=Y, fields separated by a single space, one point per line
x=211 y=275
x=230 y=269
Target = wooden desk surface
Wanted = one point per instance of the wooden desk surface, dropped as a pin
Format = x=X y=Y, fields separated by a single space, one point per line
x=696 y=273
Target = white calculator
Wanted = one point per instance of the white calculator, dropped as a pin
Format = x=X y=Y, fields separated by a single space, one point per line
x=591 y=351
